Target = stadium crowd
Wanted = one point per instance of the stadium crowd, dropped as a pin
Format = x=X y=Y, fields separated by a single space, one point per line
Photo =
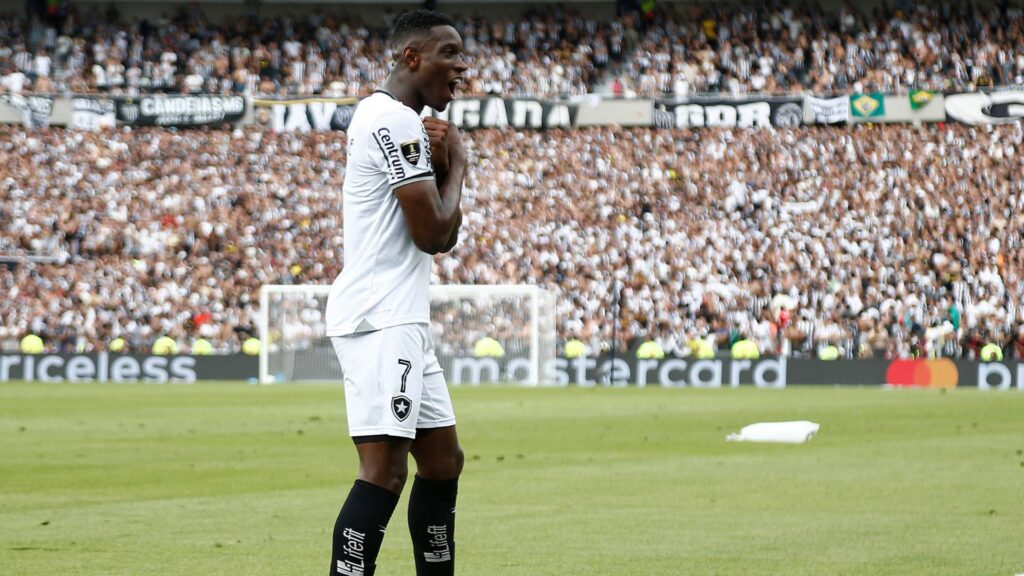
x=882 y=240
x=554 y=52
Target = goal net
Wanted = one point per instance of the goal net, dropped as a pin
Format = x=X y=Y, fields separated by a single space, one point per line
x=518 y=320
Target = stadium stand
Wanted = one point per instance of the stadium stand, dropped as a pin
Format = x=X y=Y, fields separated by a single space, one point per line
x=887 y=241
x=679 y=49
x=865 y=236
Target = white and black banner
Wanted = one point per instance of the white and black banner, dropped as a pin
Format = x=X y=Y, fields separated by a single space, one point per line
x=35 y=110
x=92 y=113
x=305 y=114
x=606 y=369
x=986 y=107
x=110 y=367
x=781 y=112
x=520 y=113
x=180 y=110
x=826 y=110
x=724 y=372
x=622 y=370
x=322 y=114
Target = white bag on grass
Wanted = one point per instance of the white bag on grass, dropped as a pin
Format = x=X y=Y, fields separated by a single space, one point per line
x=784 y=432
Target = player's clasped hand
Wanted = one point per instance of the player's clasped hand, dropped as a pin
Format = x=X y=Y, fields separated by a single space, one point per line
x=437 y=131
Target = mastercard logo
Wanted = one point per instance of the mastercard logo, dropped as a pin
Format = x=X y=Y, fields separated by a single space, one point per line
x=940 y=373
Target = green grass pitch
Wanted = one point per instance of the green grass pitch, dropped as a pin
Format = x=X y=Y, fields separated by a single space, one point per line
x=212 y=479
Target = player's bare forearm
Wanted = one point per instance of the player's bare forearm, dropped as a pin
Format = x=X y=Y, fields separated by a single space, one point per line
x=454 y=238
x=457 y=166
x=432 y=212
x=432 y=209
x=443 y=159
x=450 y=192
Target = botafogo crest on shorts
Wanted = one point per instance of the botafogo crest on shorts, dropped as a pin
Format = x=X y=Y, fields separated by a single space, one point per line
x=393 y=382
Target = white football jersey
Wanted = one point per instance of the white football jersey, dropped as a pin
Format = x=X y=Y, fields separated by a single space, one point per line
x=386 y=278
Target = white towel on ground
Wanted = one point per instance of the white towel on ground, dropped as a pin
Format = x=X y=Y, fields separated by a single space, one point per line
x=784 y=432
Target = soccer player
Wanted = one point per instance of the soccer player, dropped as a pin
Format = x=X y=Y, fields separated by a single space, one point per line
x=403 y=185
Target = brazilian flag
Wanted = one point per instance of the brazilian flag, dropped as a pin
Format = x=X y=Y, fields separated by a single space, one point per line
x=867 y=105
x=920 y=98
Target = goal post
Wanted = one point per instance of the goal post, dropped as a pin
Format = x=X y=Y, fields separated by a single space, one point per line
x=482 y=334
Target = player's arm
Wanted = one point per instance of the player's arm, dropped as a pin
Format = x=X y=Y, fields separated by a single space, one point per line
x=454 y=238
x=437 y=132
x=432 y=211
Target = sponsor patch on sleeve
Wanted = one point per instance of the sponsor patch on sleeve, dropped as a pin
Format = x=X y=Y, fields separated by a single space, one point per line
x=411 y=151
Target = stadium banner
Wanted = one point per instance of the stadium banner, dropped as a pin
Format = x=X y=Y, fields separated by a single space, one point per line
x=826 y=110
x=304 y=114
x=603 y=370
x=92 y=113
x=903 y=108
x=778 y=112
x=625 y=370
x=180 y=111
x=29 y=110
x=980 y=108
x=519 y=113
x=723 y=372
x=596 y=111
x=993 y=375
x=9 y=114
x=955 y=373
x=108 y=367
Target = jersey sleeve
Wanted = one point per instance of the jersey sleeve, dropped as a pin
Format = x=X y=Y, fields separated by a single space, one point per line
x=405 y=147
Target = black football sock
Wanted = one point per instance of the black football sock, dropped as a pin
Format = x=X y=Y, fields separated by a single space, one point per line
x=359 y=531
x=432 y=525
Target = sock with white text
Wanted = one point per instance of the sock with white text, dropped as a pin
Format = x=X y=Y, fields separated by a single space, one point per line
x=432 y=525
x=359 y=530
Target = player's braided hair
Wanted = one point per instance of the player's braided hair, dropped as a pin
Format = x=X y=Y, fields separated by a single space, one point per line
x=415 y=22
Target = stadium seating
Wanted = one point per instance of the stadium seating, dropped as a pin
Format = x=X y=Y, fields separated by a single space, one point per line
x=864 y=236
x=557 y=52
x=885 y=241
